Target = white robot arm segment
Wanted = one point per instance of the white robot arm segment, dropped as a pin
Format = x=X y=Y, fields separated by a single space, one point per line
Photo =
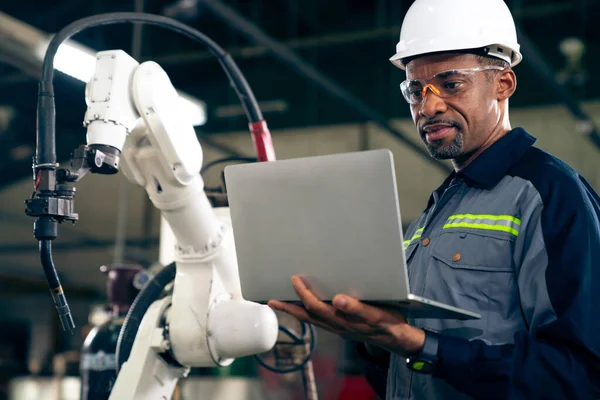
x=209 y=322
x=111 y=113
x=171 y=129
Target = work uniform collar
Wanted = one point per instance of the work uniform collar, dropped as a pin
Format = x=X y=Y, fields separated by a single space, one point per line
x=488 y=168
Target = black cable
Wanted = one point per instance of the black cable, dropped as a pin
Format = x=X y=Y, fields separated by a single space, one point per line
x=60 y=302
x=226 y=160
x=45 y=160
x=211 y=164
x=148 y=295
x=46 y=145
x=48 y=264
x=297 y=340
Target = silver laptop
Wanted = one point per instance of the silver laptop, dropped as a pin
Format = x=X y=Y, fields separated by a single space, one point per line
x=334 y=220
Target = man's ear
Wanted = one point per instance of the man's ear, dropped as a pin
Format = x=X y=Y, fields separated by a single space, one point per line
x=506 y=84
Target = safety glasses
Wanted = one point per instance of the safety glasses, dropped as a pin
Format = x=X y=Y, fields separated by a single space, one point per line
x=443 y=84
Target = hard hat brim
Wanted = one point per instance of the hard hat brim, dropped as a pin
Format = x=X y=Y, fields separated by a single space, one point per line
x=401 y=59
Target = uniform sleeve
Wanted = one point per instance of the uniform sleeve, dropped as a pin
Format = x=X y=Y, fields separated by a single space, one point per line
x=559 y=286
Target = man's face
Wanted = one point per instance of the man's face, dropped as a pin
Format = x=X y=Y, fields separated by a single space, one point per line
x=456 y=126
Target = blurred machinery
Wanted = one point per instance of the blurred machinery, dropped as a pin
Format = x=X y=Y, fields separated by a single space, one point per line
x=98 y=366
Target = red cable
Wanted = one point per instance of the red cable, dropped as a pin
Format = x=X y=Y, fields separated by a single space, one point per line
x=38 y=178
x=261 y=137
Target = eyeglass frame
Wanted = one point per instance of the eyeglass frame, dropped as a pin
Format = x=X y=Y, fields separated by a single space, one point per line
x=435 y=90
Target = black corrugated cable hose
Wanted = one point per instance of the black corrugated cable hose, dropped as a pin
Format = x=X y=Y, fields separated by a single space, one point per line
x=148 y=295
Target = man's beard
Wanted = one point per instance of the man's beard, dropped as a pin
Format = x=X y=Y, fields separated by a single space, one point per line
x=440 y=151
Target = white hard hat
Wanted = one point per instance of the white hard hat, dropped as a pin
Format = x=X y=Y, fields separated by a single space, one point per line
x=449 y=25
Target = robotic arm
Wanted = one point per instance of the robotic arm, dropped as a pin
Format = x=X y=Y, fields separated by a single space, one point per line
x=133 y=119
x=206 y=322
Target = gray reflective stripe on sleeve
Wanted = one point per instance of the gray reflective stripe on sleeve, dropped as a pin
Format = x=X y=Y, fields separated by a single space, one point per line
x=416 y=236
x=505 y=223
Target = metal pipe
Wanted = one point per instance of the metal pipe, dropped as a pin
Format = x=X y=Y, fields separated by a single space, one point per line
x=124 y=185
x=242 y=25
x=136 y=41
x=309 y=381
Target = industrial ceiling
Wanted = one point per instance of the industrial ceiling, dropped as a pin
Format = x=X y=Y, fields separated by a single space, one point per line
x=347 y=41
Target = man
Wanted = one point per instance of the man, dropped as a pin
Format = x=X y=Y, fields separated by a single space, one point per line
x=513 y=233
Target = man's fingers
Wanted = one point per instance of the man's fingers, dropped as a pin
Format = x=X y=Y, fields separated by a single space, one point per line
x=302 y=315
x=312 y=304
x=357 y=310
x=346 y=313
x=350 y=317
x=295 y=311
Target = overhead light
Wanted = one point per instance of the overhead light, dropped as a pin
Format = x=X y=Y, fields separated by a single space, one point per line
x=194 y=108
x=79 y=62
x=75 y=61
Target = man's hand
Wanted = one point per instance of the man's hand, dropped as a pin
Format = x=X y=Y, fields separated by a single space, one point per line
x=354 y=320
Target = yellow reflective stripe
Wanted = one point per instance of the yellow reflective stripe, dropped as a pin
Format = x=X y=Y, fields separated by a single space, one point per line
x=504 y=223
x=417 y=235
x=482 y=226
x=487 y=216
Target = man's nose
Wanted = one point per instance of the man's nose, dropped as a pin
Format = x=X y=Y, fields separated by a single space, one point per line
x=432 y=103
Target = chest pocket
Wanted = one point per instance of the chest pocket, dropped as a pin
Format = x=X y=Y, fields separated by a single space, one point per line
x=478 y=242
x=474 y=270
x=475 y=250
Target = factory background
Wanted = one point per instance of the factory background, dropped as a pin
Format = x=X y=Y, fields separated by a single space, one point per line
x=348 y=42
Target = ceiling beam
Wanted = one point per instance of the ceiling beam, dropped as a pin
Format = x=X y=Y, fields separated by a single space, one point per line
x=328 y=85
x=11 y=284
x=339 y=39
x=255 y=51
x=16 y=248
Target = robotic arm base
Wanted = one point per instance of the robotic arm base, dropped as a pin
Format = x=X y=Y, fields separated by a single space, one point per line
x=147 y=374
